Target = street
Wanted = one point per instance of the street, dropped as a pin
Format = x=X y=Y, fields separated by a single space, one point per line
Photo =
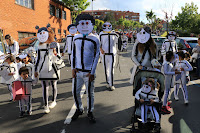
x=113 y=109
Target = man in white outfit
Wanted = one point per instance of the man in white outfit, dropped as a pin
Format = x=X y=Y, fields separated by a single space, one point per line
x=109 y=40
x=69 y=40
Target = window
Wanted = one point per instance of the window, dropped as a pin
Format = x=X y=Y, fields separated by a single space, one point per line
x=64 y=32
x=126 y=16
x=58 y=13
x=22 y=35
x=53 y=30
x=26 y=3
x=64 y=15
x=52 y=10
x=59 y=31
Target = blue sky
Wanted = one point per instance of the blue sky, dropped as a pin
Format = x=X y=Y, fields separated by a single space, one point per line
x=140 y=6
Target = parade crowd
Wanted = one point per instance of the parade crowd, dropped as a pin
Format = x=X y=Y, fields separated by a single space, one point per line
x=84 y=50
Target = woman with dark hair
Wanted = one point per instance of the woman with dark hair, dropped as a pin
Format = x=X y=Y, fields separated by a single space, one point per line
x=12 y=46
x=144 y=50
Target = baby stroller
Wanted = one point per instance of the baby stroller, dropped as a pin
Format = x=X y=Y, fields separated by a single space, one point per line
x=136 y=117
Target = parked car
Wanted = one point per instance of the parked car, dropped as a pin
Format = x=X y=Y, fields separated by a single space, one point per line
x=62 y=44
x=159 y=41
x=186 y=43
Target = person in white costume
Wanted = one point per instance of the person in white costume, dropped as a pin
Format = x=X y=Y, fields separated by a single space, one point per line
x=12 y=46
x=69 y=40
x=169 y=45
x=108 y=48
x=85 y=55
x=184 y=66
x=46 y=64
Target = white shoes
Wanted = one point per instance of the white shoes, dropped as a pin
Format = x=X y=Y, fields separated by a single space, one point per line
x=52 y=105
x=107 y=86
x=186 y=102
x=176 y=98
x=112 y=88
x=46 y=109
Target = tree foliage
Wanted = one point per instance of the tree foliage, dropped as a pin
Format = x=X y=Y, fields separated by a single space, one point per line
x=76 y=7
x=98 y=25
x=188 y=20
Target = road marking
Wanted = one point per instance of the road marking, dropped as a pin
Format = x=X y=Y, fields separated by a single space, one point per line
x=68 y=119
x=194 y=83
x=184 y=127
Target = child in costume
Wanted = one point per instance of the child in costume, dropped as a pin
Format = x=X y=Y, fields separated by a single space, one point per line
x=9 y=72
x=27 y=63
x=181 y=79
x=169 y=73
x=19 y=62
x=85 y=55
x=69 y=40
x=27 y=83
x=147 y=96
x=108 y=40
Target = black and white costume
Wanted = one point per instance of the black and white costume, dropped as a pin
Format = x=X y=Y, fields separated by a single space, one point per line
x=144 y=50
x=5 y=69
x=169 y=45
x=85 y=57
x=46 y=66
x=69 y=40
x=27 y=98
x=108 y=42
x=13 y=49
x=146 y=93
x=31 y=69
x=181 y=78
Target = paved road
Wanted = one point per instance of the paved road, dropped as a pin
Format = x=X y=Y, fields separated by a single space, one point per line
x=113 y=109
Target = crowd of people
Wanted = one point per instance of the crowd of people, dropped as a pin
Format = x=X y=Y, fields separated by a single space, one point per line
x=84 y=49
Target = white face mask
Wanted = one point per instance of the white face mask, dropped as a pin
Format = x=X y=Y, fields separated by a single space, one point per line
x=171 y=37
x=146 y=88
x=72 y=30
x=85 y=27
x=143 y=36
x=43 y=36
x=107 y=27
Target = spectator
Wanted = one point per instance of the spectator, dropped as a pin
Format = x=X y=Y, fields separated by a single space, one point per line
x=12 y=46
x=197 y=50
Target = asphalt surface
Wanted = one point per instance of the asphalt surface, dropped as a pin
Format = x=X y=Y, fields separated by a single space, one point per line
x=113 y=109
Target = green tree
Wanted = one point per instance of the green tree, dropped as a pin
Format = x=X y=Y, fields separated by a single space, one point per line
x=150 y=15
x=98 y=25
x=120 y=22
x=76 y=7
x=188 y=20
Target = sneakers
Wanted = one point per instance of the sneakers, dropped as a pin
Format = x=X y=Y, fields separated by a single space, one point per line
x=21 y=114
x=76 y=114
x=164 y=110
x=112 y=88
x=186 y=102
x=29 y=112
x=107 y=86
x=176 y=98
x=52 y=105
x=91 y=117
x=46 y=109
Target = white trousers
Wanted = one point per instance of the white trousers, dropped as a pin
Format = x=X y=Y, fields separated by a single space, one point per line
x=144 y=109
x=26 y=100
x=109 y=63
x=77 y=85
x=167 y=92
x=45 y=86
x=184 y=90
x=10 y=90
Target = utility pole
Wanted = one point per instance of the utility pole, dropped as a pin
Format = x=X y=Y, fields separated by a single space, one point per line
x=92 y=8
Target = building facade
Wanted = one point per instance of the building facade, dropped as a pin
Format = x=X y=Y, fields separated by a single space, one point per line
x=101 y=14
x=19 y=17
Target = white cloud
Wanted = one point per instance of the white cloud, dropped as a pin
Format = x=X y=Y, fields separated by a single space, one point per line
x=141 y=6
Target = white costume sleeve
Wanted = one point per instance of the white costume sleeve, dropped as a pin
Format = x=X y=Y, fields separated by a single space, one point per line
x=66 y=45
x=58 y=47
x=72 y=56
x=96 y=58
x=16 y=48
x=166 y=70
x=134 y=59
x=138 y=93
x=188 y=66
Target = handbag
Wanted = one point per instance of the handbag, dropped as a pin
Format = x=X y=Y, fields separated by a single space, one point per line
x=18 y=90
